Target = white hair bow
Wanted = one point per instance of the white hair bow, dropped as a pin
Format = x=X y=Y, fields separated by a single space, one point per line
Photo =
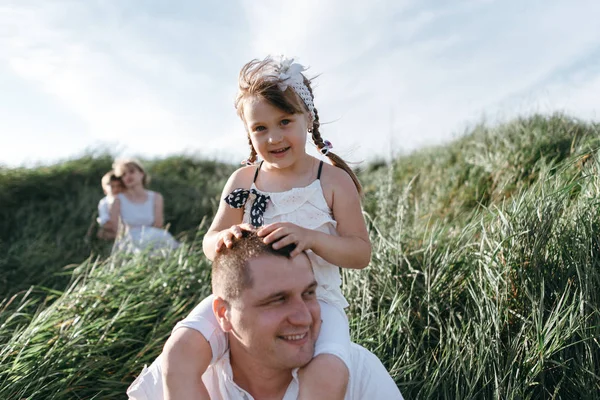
x=290 y=74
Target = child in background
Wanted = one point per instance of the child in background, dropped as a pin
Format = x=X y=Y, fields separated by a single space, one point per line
x=112 y=186
x=289 y=197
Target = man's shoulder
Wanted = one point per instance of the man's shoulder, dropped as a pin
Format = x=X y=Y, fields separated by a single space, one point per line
x=369 y=378
x=363 y=359
x=148 y=385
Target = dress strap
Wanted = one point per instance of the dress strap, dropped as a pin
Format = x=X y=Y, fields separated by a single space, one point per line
x=151 y=197
x=320 y=169
x=257 y=170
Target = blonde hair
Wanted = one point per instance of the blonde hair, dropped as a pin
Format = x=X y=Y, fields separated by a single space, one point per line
x=120 y=165
x=257 y=79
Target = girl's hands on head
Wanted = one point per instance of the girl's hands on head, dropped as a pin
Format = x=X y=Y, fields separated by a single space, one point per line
x=281 y=234
x=226 y=237
x=226 y=217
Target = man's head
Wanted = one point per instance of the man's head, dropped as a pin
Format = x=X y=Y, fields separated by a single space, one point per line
x=267 y=303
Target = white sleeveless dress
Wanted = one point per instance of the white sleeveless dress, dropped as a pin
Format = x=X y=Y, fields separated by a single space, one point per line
x=138 y=233
x=305 y=207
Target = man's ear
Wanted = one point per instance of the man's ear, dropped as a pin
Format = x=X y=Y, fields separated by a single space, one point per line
x=222 y=310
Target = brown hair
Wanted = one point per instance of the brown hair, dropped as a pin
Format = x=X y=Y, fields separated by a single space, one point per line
x=230 y=268
x=120 y=165
x=109 y=177
x=260 y=79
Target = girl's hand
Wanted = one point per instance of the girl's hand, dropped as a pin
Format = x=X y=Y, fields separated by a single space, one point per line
x=281 y=234
x=225 y=237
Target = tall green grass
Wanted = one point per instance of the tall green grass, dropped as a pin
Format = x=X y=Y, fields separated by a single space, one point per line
x=483 y=282
x=92 y=339
x=45 y=213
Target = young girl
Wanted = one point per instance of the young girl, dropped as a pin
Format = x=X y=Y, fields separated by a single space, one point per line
x=139 y=210
x=290 y=197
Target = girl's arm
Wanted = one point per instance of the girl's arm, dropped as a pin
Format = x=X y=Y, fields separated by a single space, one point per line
x=227 y=222
x=352 y=248
x=158 y=210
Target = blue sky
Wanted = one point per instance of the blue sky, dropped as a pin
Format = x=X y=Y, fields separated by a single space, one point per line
x=152 y=78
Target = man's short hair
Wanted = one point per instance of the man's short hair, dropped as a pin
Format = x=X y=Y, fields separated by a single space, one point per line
x=230 y=270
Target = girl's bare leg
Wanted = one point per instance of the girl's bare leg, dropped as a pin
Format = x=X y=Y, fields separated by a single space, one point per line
x=324 y=378
x=186 y=356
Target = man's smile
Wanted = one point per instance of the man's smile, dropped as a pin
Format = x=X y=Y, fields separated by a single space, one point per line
x=294 y=338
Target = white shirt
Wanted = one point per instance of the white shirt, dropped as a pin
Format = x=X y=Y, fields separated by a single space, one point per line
x=369 y=380
x=104 y=209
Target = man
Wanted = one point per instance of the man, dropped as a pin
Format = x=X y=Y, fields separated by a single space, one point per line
x=267 y=304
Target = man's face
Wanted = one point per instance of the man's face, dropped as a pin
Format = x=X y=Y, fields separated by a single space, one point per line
x=277 y=320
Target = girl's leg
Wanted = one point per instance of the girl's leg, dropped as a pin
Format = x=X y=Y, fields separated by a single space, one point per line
x=324 y=378
x=186 y=356
x=327 y=375
x=194 y=344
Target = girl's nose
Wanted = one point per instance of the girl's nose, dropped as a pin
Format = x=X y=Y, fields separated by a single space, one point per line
x=275 y=137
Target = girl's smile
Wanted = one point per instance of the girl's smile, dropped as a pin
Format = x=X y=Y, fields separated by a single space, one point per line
x=281 y=152
x=278 y=137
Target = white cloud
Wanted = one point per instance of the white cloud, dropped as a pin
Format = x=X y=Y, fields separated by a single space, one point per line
x=424 y=73
x=405 y=72
x=120 y=87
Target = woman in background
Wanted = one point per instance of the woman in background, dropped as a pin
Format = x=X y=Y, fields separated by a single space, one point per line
x=139 y=211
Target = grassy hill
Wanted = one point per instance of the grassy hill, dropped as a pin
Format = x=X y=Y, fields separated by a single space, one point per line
x=483 y=282
x=46 y=213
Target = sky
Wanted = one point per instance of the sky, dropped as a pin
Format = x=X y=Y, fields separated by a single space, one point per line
x=152 y=78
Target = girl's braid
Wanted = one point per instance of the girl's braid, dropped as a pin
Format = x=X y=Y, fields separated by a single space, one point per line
x=252 y=158
x=318 y=141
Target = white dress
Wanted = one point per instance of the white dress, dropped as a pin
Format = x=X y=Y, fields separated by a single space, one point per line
x=305 y=207
x=138 y=233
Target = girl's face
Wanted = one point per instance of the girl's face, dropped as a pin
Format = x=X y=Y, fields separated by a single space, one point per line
x=279 y=138
x=132 y=176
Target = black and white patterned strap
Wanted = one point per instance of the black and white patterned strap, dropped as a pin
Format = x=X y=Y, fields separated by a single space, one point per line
x=238 y=198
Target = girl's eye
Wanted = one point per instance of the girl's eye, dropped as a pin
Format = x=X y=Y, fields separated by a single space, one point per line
x=259 y=128
x=285 y=121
